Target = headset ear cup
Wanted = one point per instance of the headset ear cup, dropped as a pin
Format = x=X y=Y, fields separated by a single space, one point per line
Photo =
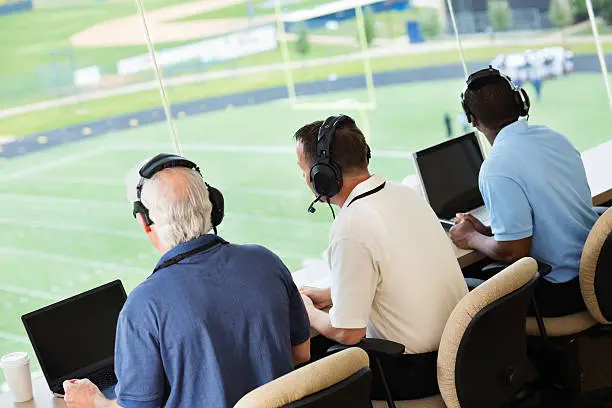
x=525 y=103
x=139 y=208
x=218 y=205
x=325 y=180
x=467 y=112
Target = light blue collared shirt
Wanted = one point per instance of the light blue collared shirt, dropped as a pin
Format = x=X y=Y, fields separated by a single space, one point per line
x=534 y=185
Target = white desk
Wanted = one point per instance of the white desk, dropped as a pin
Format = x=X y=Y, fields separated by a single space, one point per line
x=598 y=166
x=43 y=398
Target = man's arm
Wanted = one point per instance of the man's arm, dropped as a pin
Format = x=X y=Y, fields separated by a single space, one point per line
x=301 y=353
x=465 y=236
x=511 y=222
x=354 y=282
x=320 y=321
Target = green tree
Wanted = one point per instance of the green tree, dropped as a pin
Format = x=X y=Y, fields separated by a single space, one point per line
x=500 y=15
x=430 y=23
x=303 y=43
x=602 y=8
x=369 y=26
x=561 y=13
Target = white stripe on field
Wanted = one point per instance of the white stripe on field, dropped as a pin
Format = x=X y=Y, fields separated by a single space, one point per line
x=70 y=228
x=53 y=163
x=244 y=149
x=28 y=292
x=125 y=207
x=117 y=182
x=89 y=263
x=14 y=337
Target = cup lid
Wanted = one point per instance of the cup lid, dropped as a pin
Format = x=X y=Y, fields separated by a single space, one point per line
x=14 y=359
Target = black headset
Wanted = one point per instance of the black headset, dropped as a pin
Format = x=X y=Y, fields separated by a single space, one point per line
x=521 y=99
x=165 y=161
x=325 y=174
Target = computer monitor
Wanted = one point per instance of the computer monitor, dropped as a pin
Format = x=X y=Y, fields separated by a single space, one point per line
x=76 y=336
x=449 y=175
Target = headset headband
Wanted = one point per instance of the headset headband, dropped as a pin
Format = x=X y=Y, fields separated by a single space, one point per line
x=521 y=99
x=165 y=161
x=161 y=162
x=325 y=174
x=327 y=132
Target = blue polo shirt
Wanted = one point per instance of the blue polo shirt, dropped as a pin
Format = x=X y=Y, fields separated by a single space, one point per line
x=534 y=185
x=206 y=331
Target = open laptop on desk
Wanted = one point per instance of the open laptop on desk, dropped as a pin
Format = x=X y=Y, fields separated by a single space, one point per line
x=75 y=338
x=448 y=173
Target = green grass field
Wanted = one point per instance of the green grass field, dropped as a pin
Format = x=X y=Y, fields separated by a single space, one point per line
x=67 y=227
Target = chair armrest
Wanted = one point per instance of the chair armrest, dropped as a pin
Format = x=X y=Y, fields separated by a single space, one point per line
x=374 y=347
x=496 y=267
x=543 y=269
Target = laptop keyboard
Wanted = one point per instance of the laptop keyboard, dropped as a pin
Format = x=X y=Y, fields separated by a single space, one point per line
x=482 y=215
x=103 y=378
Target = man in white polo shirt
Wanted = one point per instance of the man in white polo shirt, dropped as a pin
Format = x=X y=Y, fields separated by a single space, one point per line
x=394 y=272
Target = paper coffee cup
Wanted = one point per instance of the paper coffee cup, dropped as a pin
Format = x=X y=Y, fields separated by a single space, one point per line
x=16 y=367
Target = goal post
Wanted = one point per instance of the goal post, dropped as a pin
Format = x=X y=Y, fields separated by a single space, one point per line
x=362 y=53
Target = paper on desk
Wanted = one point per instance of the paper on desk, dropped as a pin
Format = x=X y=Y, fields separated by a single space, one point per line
x=315 y=274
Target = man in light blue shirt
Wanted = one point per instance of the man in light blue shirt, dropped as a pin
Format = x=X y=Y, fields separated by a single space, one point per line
x=535 y=187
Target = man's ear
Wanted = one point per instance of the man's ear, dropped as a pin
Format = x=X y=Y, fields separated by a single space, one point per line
x=142 y=222
x=474 y=121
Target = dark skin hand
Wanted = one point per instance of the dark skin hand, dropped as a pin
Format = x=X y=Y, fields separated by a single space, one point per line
x=469 y=233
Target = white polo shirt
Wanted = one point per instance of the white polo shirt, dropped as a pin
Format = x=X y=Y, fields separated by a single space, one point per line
x=393 y=267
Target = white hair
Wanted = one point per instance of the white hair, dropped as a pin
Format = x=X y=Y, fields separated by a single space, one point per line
x=178 y=203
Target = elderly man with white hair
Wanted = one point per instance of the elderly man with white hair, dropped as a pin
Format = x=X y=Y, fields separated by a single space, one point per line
x=214 y=320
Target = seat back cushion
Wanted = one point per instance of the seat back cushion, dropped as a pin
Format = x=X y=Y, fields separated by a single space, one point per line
x=484 y=337
x=307 y=380
x=596 y=270
x=351 y=392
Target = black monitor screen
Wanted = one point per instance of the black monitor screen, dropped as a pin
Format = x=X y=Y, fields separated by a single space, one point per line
x=449 y=172
x=78 y=332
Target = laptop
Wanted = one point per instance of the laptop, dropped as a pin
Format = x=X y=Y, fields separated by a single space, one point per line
x=75 y=338
x=448 y=173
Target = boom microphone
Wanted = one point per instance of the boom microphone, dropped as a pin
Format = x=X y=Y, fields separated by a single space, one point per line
x=311 y=208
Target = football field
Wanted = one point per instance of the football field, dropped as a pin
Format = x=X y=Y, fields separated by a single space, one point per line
x=67 y=227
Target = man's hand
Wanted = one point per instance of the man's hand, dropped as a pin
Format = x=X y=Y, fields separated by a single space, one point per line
x=310 y=308
x=461 y=234
x=321 y=298
x=479 y=226
x=83 y=394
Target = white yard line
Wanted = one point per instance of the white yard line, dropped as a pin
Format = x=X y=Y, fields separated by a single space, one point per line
x=29 y=292
x=70 y=228
x=15 y=338
x=72 y=158
x=118 y=182
x=88 y=263
x=198 y=147
x=125 y=207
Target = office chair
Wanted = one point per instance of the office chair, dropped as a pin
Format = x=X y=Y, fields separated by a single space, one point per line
x=482 y=359
x=339 y=380
x=560 y=336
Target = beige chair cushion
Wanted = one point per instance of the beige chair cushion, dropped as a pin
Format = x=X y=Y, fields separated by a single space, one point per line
x=435 y=401
x=507 y=281
x=306 y=380
x=561 y=326
x=588 y=264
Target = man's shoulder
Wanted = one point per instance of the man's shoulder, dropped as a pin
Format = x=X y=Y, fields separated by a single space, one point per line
x=255 y=252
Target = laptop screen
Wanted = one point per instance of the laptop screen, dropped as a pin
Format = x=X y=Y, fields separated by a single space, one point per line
x=449 y=173
x=76 y=333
